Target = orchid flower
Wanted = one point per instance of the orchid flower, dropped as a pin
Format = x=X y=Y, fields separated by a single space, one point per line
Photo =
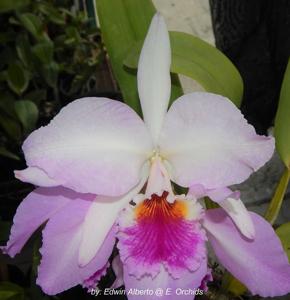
x=104 y=173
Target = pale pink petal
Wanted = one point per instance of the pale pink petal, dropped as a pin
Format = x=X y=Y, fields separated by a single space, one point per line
x=217 y=195
x=59 y=269
x=154 y=75
x=197 y=191
x=94 y=145
x=207 y=141
x=261 y=264
x=91 y=282
x=102 y=214
x=35 y=176
x=220 y=194
x=34 y=210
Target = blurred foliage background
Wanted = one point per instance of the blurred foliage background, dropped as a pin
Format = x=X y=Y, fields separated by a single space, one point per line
x=50 y=53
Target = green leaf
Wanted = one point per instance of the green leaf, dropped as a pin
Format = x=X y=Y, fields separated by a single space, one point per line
x=283 y=233
x=212 y=69
x=176 y=89
x=7 y=153
x=73 y=35
x=23 y=49
x=27 y=113
x=50 y=73
x=52 y=13
x=44 y=52
x=277 y=200
x=200 y=61
x=11 y=291
x=120 y=31
x=8 y=5
x=17 y=78
x=282 y=120
x=32 y=24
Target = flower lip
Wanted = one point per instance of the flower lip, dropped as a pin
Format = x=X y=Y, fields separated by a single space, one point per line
x=158 y=233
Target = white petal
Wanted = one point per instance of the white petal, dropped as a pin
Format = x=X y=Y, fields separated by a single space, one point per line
x=236 y=209
x=154 y=83
x=159 y=180
x=100 y=218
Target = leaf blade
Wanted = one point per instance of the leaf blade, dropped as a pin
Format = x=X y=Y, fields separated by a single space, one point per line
x=27 y=113
x=277 y=200
x=17 y=78
x=119 y=32
x=282 y=120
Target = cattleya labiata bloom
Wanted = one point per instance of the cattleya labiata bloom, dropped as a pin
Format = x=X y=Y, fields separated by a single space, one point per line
x=105 y=174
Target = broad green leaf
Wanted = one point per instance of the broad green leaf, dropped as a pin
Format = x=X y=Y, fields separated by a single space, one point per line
x=52 y=13
x=8 y=5
x=73 y=35
x=32 y=24
x=120 y=31
x=11 y=291
x=23 y=49
x=27 y=113
x=17 y=78
x=176 y=89
x=277 y=200
x=282 y=120
x=283 y=233
x=44 y=51
x=200 y=61
x=50 y=73
x=213 y=70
